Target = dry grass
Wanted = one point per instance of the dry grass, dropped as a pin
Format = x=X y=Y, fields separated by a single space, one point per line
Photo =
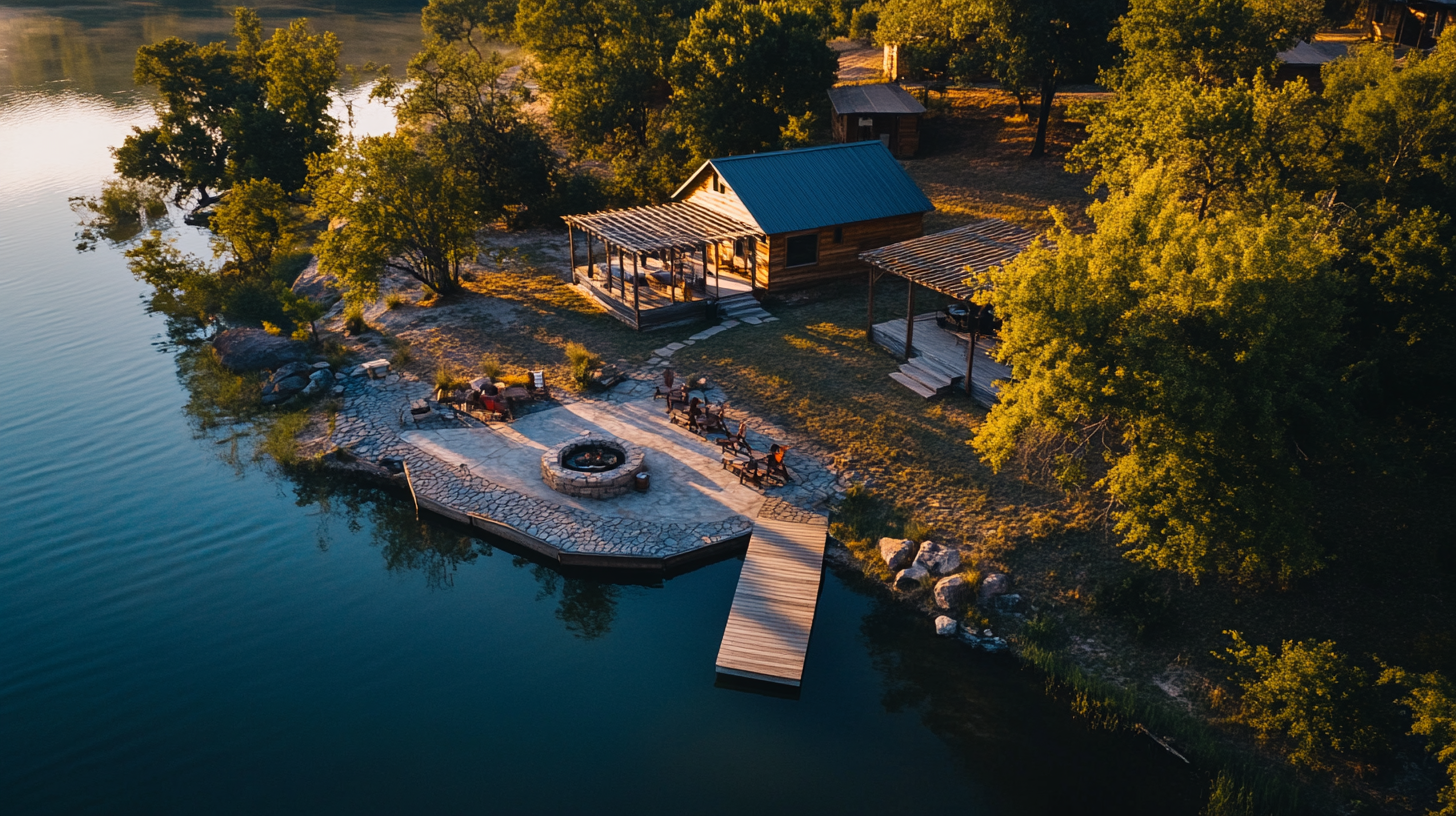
x=973 y=161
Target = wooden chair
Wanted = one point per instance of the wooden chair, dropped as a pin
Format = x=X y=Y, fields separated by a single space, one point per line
x=712 y=421
x=773 y=465
x=537 y=387
x=691 y=418
x=734 y=442
x=665 y=391
x=758 y=468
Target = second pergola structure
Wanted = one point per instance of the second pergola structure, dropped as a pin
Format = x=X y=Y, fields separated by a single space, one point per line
x=671 y=233
x=943 y=262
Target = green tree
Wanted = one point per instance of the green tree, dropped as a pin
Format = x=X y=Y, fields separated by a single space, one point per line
x=1185 y=353
x=605 y=65
x=396 y=208
x=1432 y=702
x=462 y=101
x=1212 y=42
x=183 y=287
x=1037 y=45
x=475 y=23
x=223 y=116
x=254 y=224
x=1309 y=697
x=1244 y=144
x=748 y=73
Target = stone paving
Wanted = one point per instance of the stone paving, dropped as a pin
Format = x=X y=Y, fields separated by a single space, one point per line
x=468 y=468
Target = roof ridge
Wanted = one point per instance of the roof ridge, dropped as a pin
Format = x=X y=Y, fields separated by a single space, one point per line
x=796 y=150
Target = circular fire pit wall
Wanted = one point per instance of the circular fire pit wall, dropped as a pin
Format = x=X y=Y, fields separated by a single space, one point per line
x=592 y=467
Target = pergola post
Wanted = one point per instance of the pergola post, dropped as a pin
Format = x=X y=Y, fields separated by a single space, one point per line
x=909 y=319
x=672 y=274
x=591 y=264
x=971 y=362
x=571 y=250
x=870 y=325
x=636 y=299
x=717 y=262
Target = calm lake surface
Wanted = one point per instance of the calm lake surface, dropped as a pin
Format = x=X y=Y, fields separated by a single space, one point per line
x=179 y=634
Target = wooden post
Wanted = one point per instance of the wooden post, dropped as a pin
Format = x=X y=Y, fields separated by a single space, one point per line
x=409 y=480
x=717 y=266
x=909 y=319
x=672 y=275
x=971 y=363
x=870 y=326
x=636 y=301
x=571 y=250
x=591 y=264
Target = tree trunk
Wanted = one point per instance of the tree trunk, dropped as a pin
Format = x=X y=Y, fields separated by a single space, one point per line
x=1048 y=93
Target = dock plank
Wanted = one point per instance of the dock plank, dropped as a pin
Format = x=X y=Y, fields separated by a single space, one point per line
x=767 y=634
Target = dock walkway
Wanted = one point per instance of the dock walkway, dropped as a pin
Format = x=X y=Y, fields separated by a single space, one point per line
x=773 y=608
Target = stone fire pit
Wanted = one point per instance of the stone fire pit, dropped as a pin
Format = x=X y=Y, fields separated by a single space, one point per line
x=601 y=478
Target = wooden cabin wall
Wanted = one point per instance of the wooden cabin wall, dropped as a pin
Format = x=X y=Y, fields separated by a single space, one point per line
x=908 y=140
x=728 y=203
x=841 y=128
x=835 y=260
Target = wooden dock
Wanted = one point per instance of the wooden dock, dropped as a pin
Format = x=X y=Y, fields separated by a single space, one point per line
x=773 y=609
x=939 y=362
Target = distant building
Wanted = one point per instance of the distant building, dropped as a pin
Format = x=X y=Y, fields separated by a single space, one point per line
x=1417 y=23
x=1306 y=59
x=885 y=112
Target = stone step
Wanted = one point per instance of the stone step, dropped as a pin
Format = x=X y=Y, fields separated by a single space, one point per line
x=929 y=376
x=913 y=384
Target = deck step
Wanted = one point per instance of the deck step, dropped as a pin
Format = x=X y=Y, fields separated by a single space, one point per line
x=930 y=375
x=913 y=384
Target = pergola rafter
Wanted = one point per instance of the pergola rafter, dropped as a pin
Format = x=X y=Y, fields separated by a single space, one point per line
x=680 y=225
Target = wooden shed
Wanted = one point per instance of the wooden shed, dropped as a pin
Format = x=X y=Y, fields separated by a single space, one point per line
x=885 y=112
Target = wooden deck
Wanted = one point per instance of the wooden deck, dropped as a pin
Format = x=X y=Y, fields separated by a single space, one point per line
x=939 y=362
x=773 y=609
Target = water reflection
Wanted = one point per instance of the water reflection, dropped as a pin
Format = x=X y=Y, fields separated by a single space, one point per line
x=92 y=48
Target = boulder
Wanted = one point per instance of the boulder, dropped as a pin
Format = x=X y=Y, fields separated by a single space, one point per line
x=944 y=626
x=1008 y=603
x=252 y=349
x=320 y=380
x=287 y=370
x=937 y=559
x=909 y=579
x=993 y=585
x=313 y=284
x=897 y=552
x=952 y=592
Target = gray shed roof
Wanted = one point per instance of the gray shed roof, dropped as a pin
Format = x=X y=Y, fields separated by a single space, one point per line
x=1314 y=53
x=883 y=98
x=814 y=187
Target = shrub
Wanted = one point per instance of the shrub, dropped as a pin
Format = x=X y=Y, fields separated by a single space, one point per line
x=272 y=329
x=1432 y=702
x=1309 y=696
x=394 y=300
x=582 y=362
x=915 y=529
x=446 y=380
x=1228 y=798
x=490 y=367
x=1137 y=599
x=281 y=440
x=402 y=355
x=354 y=319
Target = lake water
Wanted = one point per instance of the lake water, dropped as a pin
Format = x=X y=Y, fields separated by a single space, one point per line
x=179 y=634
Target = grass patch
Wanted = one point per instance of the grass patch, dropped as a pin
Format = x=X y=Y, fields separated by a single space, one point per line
x=394 y=300
x=279 y=441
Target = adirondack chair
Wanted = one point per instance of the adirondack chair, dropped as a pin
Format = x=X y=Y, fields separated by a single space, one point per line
x=736 y=441
x=712 y=421
x=773 y=465
x=665 y=391
x=691 y=418
x=755 y=469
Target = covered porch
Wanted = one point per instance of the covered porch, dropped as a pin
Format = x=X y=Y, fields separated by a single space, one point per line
x=951 y=349
x=663 y=265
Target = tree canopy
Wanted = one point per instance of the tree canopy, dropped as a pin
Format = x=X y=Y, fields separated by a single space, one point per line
x=1185 y=356
x=1212 y=42
x=394 y=207
x=749 y=75
x=226 y=115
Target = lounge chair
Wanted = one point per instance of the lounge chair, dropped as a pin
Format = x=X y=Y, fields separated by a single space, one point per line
x=691 y=418
x=758 y=468
x=712 y=421
x=537 y=387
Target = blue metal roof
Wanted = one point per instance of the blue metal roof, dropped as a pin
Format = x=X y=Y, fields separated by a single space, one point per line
x=814 y=187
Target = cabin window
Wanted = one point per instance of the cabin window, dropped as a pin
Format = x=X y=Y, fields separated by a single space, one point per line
x=803 y=250
x=839 y=235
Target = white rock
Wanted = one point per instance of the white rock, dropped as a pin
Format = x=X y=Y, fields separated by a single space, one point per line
x=909 y=579
x=945 y=626
x=937 y=559
x=952 y=592
x=897 y=552
x=994 y=584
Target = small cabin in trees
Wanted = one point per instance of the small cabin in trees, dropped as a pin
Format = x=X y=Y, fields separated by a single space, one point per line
x=1417 y=23
x=758 y=223
x=885 y=112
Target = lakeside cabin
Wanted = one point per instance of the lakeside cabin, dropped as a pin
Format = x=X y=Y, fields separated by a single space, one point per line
x=745 y=225
x=885 y=112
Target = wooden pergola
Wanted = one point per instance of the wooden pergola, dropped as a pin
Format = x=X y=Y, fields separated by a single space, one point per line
x=944 y=262
x=671 y=233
